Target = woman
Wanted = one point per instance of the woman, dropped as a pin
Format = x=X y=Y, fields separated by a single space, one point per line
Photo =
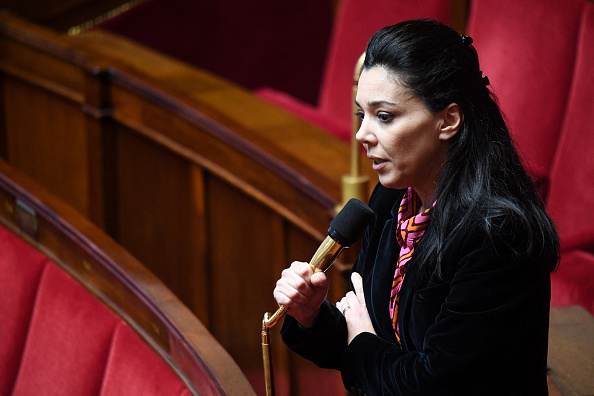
x=452 y=284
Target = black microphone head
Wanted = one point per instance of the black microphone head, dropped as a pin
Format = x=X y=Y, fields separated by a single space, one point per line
x=350 y=222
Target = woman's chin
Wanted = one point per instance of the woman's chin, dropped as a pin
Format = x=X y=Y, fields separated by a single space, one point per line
x=391 y=183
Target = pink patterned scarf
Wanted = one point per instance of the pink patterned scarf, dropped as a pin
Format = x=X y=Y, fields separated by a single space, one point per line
x=411 y=227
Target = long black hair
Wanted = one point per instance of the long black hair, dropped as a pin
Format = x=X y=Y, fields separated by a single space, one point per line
x=483 y=183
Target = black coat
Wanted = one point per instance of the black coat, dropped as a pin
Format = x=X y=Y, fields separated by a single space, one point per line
x=480 y=329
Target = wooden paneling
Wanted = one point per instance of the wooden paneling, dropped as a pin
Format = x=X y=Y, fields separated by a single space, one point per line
x=55 y=127
x=161 y=216
x=53 y=115
x=571 y=351
x=247 y=252
x=212 y=189
x=459 y=14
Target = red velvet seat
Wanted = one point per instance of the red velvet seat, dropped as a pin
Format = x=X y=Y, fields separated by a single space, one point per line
x=68 y=340
x=355 y=23
x=20 y=265
x=572 y=180
x=572 y=172
x=527 y=49
x=74 y=344
x=133 y=369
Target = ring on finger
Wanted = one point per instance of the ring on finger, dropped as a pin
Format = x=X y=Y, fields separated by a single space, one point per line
x=346 y=309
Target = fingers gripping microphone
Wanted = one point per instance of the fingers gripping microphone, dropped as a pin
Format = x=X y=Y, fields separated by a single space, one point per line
x=345 y=229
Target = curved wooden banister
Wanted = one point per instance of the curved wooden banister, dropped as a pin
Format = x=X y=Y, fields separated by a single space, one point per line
x=121 y=282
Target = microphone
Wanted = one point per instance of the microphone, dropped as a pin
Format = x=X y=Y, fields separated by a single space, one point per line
x=345 y=229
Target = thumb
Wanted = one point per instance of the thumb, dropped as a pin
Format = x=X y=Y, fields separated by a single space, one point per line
x=319 y=279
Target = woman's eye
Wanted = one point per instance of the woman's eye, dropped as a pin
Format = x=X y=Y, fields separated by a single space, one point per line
x=385 y=117
x=359 y=114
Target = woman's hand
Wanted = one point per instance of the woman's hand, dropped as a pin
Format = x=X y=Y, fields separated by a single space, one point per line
x=303 y=291
x=355 y=311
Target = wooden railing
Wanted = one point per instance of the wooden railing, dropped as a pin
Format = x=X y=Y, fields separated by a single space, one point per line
x=214 y=190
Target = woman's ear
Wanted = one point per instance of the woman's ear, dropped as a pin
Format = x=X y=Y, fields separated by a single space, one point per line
x=452 y=118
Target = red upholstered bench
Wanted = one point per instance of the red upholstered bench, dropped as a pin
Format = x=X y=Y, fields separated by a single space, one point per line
x=59 y=339
x=527 y=49
x=74 y=344
x=81 y=317
x=572 y=179
x=538 y=56
x=21 y=267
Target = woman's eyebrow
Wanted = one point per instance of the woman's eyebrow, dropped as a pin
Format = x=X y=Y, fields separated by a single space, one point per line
x=375 y=103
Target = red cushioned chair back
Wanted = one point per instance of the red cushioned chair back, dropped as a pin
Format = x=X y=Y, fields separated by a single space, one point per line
x=355 y=24
x=68 y=340
x=21 y=267
x=527 y=49
x=134 y=369
x=572 y=173
x=58 y=339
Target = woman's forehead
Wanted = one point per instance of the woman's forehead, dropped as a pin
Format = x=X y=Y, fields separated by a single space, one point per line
x=380 y=84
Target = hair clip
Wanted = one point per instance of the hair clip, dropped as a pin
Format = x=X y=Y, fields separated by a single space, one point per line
x=466 y=39
x=485 y=79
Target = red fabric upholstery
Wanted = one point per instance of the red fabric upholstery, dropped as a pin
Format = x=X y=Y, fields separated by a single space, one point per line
x=355 y=23
x=20 y=268
x=572 y=180
x=572 y=283
x=134 y=369
x=527 y=49
x=572 y=173
x=68 y=340
x=57 y=339
x=339 y=127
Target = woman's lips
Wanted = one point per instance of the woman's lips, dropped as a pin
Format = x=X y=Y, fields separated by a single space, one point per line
x=377 y=163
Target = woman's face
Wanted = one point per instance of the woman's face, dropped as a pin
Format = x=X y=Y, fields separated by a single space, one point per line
x=403 y=138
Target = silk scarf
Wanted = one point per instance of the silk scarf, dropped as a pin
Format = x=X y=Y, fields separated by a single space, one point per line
x=411 y=227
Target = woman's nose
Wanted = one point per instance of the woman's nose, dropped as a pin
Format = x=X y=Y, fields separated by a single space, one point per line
x=363 y=134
